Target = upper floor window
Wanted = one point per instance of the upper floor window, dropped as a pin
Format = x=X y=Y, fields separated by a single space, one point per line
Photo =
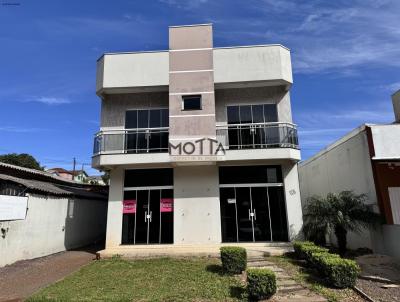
x=191 y=102
x=249 y=114
x=146 y=118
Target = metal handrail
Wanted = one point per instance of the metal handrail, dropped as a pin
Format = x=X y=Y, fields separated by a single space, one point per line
x=258 y=135
x=117 y=141
x=232 y=136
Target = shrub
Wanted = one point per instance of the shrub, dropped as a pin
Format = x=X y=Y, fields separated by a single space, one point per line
x=317 y=260
x=337 y=271
x=234 y=259
x=305 y=249
x=261 y=283
x=298 y=248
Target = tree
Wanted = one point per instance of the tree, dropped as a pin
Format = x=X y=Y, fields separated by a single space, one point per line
x=22 y=160
x=339 y=214
x=106 y=177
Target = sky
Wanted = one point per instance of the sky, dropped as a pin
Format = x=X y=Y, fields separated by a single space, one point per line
x=345 y=58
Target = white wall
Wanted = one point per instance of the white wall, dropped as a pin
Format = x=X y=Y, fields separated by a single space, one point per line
x=386 y=141
x=391 y=242
x=345 y=166
x=114 y=216
x=50 y=228
x=293 y=201
x=265 y=63
x=197 y=218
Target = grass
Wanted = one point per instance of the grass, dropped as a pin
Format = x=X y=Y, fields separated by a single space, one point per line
x=146 y=280
x=308 y=278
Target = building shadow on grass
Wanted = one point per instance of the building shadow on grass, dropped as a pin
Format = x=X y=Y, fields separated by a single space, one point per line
x=238 y=292
x=215 y=268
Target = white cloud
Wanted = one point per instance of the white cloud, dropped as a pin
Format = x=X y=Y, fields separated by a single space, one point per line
x=392 y=88
x=184 y=4
x=14 y=129
x=50 y=100
x=340 y=36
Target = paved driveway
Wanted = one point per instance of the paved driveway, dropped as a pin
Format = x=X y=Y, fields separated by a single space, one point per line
x=23 y=278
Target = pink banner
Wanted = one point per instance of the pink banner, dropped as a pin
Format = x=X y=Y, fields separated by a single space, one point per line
x=166 y=205
x=129 y=206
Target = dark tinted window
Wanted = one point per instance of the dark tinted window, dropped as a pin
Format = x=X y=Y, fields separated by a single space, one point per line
x=164 y=118
x=233 y=114
x=155 y=118
x=270 y=113
x=131 y=119
x=146 y=118
x=191 y=102
x=258 y=113
x=243 y=114
x=250 y=174
x=143 y=118
x=148 y=177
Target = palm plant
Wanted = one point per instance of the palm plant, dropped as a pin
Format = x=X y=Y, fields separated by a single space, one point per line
x=339 y=214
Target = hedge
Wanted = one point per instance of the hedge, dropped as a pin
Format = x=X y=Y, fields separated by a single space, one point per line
x=234 y=259
x=305 y=249
x=337 y=271
x=261 y=283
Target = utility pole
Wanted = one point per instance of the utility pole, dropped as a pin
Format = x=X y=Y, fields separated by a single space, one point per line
x=73 y=170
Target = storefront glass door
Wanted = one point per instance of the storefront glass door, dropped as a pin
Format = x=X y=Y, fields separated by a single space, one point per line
x=148 y=216
x=253 y=213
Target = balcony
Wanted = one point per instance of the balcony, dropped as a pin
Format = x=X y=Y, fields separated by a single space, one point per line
x=145 y=140
x=269 y=141
x=258 y=136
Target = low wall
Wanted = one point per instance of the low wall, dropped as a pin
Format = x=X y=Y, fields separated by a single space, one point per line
x=52 y=225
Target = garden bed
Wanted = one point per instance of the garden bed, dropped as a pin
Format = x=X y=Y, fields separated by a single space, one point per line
x=309 y=278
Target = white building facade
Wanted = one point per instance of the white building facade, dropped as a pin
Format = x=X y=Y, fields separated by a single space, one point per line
x=200 y=144
x=366 y=161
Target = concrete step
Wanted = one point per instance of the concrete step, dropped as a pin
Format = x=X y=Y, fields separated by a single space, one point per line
x=260 y=263
x=299 y=298
x=271 y=268
x=286 y=282
x=282 y=276
x=290 y=288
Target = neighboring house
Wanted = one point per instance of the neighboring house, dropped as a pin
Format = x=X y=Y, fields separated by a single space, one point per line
x=61 y=173
x=95 y=180
x=77 y=175
x=199 y=143
x=367 y=160
x=80 y=176
x=42 y=214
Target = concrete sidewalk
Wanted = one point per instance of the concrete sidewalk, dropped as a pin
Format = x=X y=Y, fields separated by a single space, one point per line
x=21 y=279
x=194 y=250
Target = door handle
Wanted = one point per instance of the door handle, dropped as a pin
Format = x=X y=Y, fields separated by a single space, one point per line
x=151 y=215
x=145 y=216
x=255 y=216
x=249 y=215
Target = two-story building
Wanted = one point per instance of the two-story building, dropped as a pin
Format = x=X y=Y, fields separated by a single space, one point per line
x=199 y=143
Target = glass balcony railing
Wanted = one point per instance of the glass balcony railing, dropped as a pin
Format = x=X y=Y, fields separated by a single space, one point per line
x=258 y=136
x=146 y=140
x=232 y=137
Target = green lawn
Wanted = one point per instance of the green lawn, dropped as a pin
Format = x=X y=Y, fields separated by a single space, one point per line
x=146 y=280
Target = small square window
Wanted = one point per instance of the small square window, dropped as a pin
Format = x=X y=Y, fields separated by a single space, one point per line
x=191 y=102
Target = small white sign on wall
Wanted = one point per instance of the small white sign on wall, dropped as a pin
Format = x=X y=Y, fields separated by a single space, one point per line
x=13 y=207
